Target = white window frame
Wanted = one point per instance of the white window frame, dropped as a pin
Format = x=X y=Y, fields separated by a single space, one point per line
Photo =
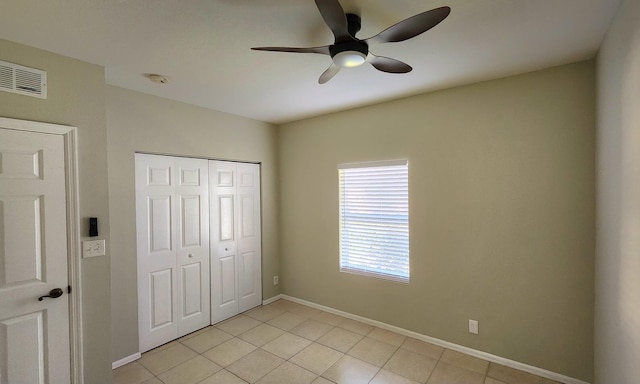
x=352 y=259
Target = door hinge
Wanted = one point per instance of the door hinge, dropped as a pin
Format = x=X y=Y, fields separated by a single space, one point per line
x=68 y=289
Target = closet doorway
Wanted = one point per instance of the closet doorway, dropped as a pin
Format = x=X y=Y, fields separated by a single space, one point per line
x=199 y=244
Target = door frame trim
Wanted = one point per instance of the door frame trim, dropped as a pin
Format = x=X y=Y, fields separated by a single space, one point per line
x=69 y=135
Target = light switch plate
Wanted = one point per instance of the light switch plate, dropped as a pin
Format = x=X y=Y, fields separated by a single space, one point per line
x=93 y=248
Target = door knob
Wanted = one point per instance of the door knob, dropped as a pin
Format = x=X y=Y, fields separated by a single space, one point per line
x=54 y=294
x=190 y=255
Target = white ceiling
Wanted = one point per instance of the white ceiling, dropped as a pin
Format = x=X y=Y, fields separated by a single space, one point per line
x=202 y=46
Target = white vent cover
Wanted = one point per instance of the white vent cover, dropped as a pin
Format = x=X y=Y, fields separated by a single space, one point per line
x=26 y=81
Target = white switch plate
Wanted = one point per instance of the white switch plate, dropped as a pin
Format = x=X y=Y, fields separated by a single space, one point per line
x=93 y=248
x=473 y=326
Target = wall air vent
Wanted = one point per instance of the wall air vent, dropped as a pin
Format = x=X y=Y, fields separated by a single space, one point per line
x=23 y=80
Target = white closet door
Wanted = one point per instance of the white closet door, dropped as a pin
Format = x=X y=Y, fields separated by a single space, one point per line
x=172 y=232
x=249 y=237
x=224 y=291
x=192 y=245
x=236 y=283
x=157 y=296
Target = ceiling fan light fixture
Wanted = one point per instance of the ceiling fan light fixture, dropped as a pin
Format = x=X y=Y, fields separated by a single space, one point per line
x=349 y=59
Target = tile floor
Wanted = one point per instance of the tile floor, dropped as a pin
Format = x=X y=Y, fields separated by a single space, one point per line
x=285 y=342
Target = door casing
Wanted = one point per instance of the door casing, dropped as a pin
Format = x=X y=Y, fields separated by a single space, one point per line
x=69 y=135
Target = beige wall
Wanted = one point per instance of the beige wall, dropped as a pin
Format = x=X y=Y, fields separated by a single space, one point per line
x=501 y=214
x=617 y=326
x=139 y=122
x=76 y=97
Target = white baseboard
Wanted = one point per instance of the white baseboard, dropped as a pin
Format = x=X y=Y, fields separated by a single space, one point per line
x=469 y=351
x=126 y=360
x=271 y=300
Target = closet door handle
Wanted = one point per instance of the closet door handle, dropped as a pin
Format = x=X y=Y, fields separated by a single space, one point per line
x=191 y=255
x=54 y=294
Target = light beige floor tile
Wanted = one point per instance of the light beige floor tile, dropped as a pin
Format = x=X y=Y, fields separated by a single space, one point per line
x=286 y=345
x=340 y=339
x=355 y=326
x=387 y=377
x=155 y=380
x=411 y=365
x=132 y=373
x=372 y=351
x=255 y=365
x=285 y=305
x=190 y=372
x=322 y=380
x=465 y=361
x=288 y=373
x=238 y=325
x=161 y=348
x=512 y=376
x=207 y=340
x=312 y=329
x=166 y=359
x=422 y=348
x=229 y=351
x=489 y=380
x=329 y=318
x=316 y=358
x=349 y=370
x=223 y=377
x=287 y=321
x=261 y=334
x=264 y=313
x=388 y=337
x=450 y=374
x=196 y=333
x=549 y=381
x=305 y=311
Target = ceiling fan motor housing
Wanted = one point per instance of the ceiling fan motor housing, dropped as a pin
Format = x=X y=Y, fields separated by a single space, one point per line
x=358 y=46
x=350 y=45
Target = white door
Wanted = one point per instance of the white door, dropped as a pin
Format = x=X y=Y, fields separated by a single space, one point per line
x=192 y=244
x=34 y=335
x=249 y=236
x=172 y=224
x=235 y=240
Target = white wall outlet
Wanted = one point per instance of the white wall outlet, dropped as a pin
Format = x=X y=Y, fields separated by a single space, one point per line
x=93 y=248
x=473 y=326
x=276 y=280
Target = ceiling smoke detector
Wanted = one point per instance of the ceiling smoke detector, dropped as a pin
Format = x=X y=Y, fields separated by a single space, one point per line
x=158 y=79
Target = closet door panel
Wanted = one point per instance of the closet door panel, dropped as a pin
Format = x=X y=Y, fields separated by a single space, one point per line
x=192 y=245
x=192 y=290
x=224 y=291
x=249 y=239
x=157 y=296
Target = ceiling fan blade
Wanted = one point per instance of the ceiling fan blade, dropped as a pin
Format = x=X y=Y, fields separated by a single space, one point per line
x=412 y=26
x=387 y=64
x=329 y=73
x=321 y=50
x=335 y=18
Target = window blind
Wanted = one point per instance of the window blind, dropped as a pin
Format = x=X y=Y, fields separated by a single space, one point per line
x=374 y=219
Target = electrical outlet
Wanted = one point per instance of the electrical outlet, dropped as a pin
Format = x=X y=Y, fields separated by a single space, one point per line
x=473 y=326
x=276 y=280
x=93 y=248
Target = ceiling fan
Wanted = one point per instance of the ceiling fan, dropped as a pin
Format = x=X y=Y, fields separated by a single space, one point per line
x=348 y=51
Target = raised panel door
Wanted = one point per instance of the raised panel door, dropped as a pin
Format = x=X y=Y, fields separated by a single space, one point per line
x=34 y=335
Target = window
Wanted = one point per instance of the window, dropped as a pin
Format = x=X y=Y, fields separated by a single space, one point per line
x=374 y=219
